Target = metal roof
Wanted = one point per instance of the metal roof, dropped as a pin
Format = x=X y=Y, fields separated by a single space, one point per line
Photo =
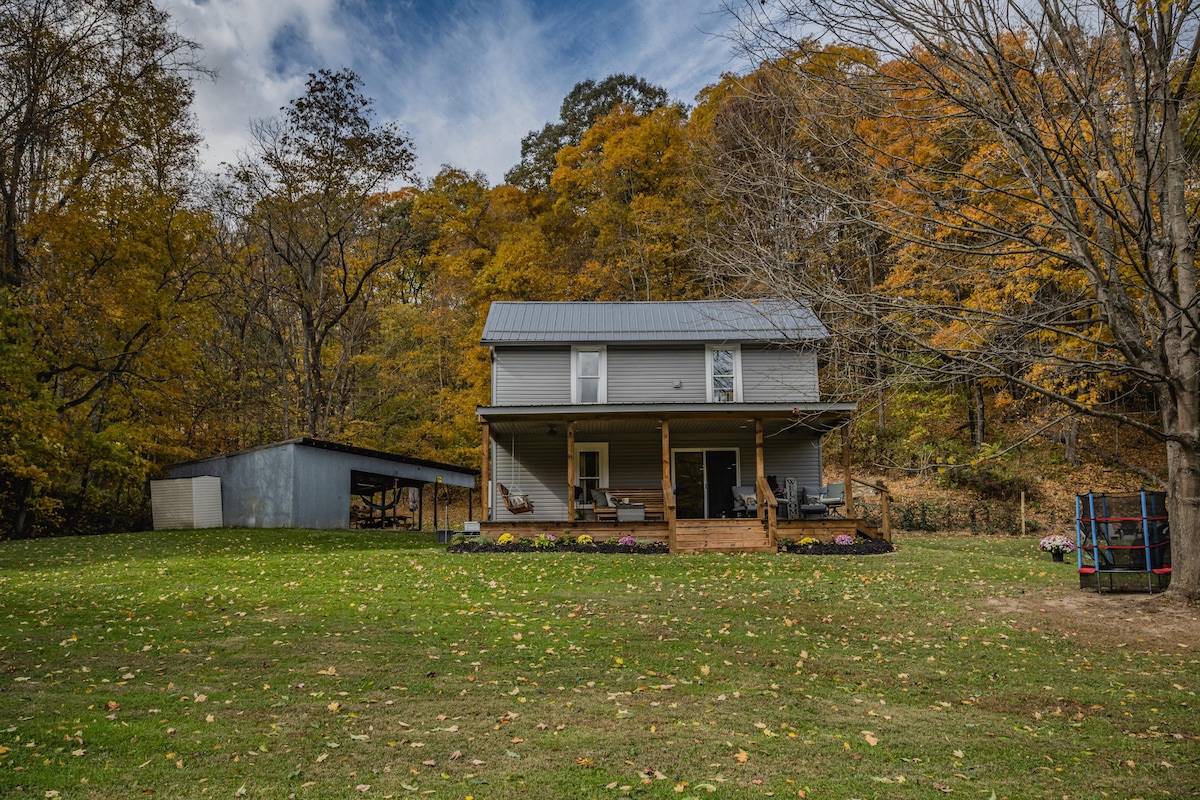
x=767 y=320
x=321 y=444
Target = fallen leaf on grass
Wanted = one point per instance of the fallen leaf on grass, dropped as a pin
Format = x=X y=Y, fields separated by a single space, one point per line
x=869 y=738
x=741 y=756
x=330 y=671
x=363 y=787
x=456 y=755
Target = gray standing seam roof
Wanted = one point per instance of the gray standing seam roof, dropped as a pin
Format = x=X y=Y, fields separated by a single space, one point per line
x=767 y=320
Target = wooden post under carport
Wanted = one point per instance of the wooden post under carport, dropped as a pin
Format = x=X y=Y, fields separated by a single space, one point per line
x=485 y=472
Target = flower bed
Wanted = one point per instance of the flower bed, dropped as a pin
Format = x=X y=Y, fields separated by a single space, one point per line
x=857 y=547
x=543 y=544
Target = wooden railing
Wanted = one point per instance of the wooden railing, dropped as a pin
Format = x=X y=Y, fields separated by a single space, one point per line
x=768 y=504
x=885 y=508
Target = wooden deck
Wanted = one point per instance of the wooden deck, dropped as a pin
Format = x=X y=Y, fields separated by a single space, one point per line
x=750 y=535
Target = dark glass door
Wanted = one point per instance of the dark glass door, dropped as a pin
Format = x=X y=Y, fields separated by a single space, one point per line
x=704 y=481
x=689 y=484
x=720 y=467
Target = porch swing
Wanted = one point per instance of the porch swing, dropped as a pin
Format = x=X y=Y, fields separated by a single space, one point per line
x=515 y=500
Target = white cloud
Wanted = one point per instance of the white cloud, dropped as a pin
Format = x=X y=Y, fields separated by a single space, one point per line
x=466 y=79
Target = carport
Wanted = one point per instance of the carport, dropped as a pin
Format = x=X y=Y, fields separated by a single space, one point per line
x=309 y=483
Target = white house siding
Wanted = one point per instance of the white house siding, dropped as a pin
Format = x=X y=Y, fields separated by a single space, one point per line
x=650 y=375
x=776 y=375
x=531 y=376
x=541 y=475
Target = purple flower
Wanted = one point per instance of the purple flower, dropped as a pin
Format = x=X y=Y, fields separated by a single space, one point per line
x=845 y=540
x=627 y=541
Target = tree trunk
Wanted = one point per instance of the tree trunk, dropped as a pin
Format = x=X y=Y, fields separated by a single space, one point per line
x=1183 y=505
x=1071 y=441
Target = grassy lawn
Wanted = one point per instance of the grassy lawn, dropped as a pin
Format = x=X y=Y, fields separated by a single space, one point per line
x=238 y=663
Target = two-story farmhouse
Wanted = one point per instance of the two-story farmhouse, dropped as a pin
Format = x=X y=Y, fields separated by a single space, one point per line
x=697 y=423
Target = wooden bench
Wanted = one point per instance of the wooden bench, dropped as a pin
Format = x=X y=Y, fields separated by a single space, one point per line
x=652 y=499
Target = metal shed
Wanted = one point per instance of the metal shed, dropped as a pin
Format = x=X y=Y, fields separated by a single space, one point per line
x=308 y=483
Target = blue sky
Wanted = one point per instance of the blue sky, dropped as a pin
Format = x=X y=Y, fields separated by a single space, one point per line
x=466 y=78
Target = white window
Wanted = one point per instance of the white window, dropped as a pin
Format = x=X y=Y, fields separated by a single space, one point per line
x=724 y=371
x=588 y=374
x=591 y=470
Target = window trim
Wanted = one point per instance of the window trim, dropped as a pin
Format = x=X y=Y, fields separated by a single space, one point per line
x=736 y=349
x=602 y=389
x=592 y=447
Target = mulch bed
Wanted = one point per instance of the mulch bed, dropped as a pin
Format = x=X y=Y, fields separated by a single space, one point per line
x=861 y=547
x=526 y=546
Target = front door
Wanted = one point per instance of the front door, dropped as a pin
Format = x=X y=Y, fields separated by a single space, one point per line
x=704 y=481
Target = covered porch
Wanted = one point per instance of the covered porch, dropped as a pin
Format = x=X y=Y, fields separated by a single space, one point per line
x=677 y=473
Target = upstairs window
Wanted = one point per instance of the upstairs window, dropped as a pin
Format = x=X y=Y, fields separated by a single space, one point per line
x=588 y=374
x=724 y=373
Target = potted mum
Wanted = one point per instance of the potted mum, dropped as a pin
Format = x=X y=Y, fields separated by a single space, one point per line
x=1057 y=546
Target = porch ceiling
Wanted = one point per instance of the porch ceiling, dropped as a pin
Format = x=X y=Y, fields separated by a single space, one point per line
x=807 y=418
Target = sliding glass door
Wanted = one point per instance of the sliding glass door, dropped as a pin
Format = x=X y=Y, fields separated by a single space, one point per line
x=704 y=481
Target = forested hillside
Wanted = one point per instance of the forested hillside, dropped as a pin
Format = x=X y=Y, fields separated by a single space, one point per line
x=997 y=226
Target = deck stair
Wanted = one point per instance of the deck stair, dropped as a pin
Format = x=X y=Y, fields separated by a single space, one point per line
x=722 y=536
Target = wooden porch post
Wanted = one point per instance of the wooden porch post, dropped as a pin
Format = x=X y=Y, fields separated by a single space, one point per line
x=485 y=472
x=846 y=477
x=668 y=494
x=766 y=505
x=570 y=472
x=759 y=469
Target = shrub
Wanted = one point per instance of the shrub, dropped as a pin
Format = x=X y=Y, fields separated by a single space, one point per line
x=458 y=538
x=992 y=481
x=545 y=541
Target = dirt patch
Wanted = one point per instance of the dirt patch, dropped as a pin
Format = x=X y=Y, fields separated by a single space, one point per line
x=1111 y=618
